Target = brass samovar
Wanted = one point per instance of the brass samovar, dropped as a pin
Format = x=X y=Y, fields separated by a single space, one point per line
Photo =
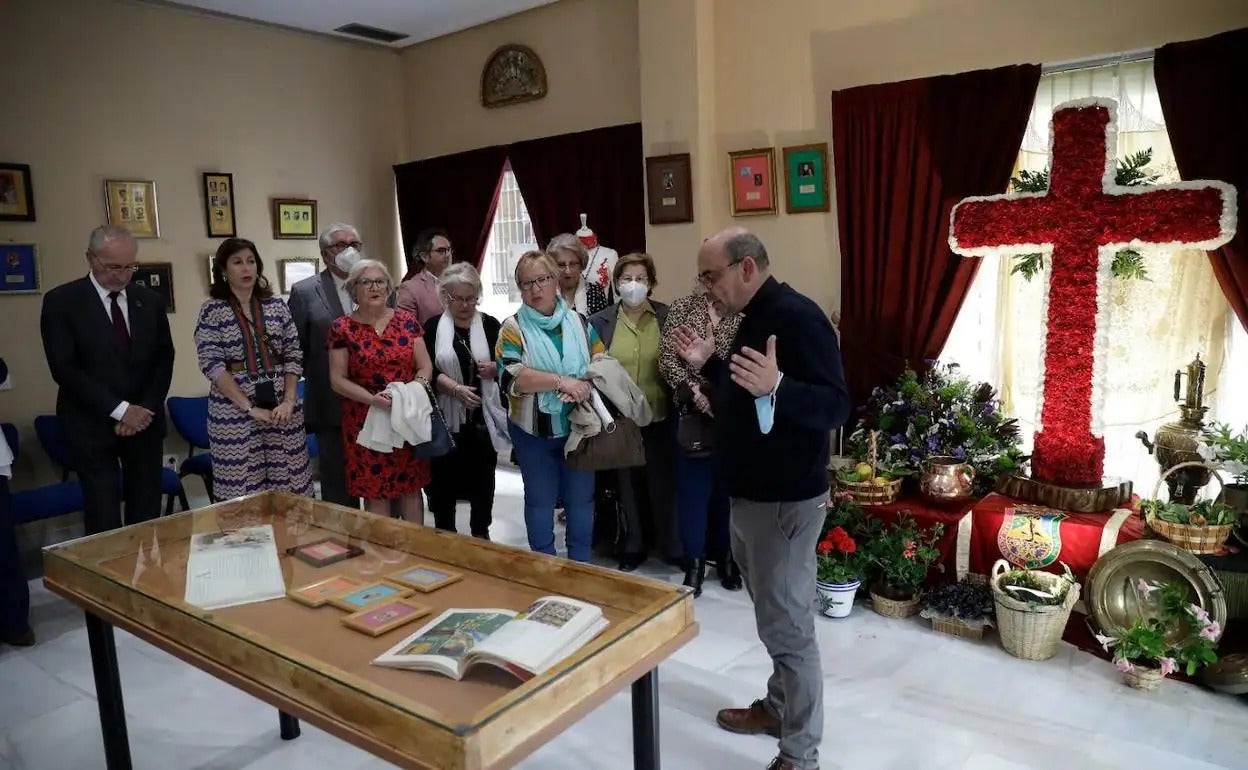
x=1176 y=442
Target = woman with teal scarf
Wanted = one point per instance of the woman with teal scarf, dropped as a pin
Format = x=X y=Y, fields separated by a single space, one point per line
x=543 y=353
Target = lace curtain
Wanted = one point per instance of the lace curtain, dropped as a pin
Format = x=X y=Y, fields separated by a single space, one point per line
x=1156 y=326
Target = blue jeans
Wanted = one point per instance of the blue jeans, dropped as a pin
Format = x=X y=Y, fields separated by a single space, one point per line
x=700 y=498
x=547 y=480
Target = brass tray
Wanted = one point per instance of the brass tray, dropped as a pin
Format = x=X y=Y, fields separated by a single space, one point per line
x=1229 y=674
x=1113 y=603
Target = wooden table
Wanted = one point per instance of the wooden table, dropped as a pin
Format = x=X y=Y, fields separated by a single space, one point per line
x=307 y=664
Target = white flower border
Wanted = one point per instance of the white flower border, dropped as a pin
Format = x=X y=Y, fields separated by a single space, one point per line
x=1105 y=254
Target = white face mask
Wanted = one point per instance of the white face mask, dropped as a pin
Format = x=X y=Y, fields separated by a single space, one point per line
x=347 y=258
x=633 y=293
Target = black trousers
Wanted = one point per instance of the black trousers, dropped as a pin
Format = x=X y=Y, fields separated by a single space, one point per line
x=14 y=592
x=648 y=496
x=332 y=463
x=465 y=473
x=109 y=468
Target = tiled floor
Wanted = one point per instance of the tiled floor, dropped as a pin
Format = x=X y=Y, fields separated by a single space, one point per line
x=898 y=696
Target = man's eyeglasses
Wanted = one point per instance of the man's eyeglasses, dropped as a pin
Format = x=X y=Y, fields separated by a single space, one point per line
x=112 y=268
x=536 y=283
x=711 y=277
x=336 y=247
x=373 y=283
x=445 y=251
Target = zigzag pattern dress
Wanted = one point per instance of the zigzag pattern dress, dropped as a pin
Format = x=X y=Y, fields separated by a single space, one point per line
x=247 y=456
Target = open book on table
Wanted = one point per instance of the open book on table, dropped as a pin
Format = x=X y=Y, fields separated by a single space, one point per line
x=524 y=644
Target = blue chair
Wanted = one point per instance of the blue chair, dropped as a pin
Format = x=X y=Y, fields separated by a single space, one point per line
x=51 y=438
x=190 y=419
x=43 y=502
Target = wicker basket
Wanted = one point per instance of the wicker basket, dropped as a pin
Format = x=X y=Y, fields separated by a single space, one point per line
x=956 y=627
x=1147 y=679
x=893 y=608
x=1197 y=538
x=1030 y=631
x=869 y=492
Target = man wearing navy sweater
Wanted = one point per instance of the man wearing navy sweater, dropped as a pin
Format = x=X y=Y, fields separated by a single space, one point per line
x=775 y=403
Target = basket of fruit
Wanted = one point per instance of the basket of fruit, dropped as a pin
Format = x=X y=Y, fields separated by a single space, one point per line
x=1200 y=528
x=864 y=481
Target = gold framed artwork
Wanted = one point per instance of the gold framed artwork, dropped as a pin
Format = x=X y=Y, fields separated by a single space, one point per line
x=364 y=596
x=318 y=593
x=294 y=218
x=669 y=189
x=425 y=577
x=752 y=182
x=17 y=194
x=219 y=205
x=385 y=616
x=208 y=259
x=132 y=205
x=512 y=74
x=292 y=271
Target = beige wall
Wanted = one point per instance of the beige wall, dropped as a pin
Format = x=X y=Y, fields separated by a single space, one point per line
x=589 y=50
x=775 y=65
x=112 y=89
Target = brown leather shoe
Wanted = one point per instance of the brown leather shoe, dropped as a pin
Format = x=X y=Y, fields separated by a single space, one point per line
x=755 y=720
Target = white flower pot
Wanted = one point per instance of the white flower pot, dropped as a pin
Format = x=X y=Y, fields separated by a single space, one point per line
x=835 y=600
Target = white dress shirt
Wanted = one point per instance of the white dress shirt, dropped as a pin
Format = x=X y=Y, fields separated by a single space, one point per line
x=120 y=410
x=348 y=304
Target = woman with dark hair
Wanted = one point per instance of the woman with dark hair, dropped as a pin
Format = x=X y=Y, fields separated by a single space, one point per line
x=248 y=348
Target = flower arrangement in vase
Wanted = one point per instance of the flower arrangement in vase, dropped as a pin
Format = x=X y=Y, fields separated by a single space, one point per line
x=902 y=556
x=839 y=566
x=938 y=413
x=1176 y=635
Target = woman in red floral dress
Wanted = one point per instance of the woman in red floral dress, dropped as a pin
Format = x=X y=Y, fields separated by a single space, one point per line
x=369 y=349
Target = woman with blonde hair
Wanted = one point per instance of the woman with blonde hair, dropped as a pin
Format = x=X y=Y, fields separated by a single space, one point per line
x=369 y=349
x=544 y=351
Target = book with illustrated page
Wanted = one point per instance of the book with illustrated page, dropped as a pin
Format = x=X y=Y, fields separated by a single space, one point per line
x=525 y=644
x=233 y=567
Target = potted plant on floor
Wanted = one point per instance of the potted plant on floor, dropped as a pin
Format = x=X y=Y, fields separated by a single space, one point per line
x=902 y=556
x=1230 y=453
x=1174 y=635
x=960 y=609
x=839 y=573
x=1032 y=609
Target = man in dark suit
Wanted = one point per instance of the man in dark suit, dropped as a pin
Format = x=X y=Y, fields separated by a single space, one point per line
x=108 y=345
x=315 y=303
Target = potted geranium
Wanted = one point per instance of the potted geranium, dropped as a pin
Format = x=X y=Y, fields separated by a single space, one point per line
x=902 y=556
x=838 y=572
x=1229 y=452
x=1175 y=636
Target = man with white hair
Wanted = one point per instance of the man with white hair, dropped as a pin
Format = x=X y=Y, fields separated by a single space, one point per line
x=315 y=303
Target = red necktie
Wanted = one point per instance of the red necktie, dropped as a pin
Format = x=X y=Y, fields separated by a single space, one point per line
x=119 y=322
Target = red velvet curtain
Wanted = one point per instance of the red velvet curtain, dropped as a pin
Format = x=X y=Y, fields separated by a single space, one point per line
x=1203 y=88
x=455 y=192
x=598 y=172
x=905 y=154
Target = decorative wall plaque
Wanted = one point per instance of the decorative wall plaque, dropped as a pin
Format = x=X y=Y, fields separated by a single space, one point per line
x=513 y=74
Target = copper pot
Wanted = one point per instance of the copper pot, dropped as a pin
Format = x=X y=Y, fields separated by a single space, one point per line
x=947 y=481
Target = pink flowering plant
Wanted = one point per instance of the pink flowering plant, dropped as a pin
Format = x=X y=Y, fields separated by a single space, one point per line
x=902 y=556
x=1175 y=636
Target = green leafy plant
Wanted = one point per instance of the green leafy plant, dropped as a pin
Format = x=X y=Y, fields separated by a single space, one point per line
x=1132 y=171
x=902 y=556
x=1229 y=450
x=1204 y=513
x=1174 y=635
x=1023 y=585
x=938 y=413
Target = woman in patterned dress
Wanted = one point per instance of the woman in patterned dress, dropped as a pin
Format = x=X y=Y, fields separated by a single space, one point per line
x=244 y=338
x=369 y=349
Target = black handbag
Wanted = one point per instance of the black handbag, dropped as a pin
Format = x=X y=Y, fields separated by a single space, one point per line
x=441 y=442
x=695 y=431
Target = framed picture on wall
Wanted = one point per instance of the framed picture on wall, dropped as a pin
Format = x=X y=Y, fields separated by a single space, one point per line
x=294 y=218
x=806 y=178
x=132 y=205
x=292 y=271
x=219 y=205
x=669 y=189
x=19 y=268
x=752 y=182
x=157 y=276
x=17 y=194
x=208 y=267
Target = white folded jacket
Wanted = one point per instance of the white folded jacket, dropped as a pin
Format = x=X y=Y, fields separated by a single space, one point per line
x=409 y=420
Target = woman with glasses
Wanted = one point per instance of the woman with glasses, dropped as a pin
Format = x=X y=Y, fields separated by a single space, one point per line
x=571 y=259
x=249 y=350
x=544 y=352
x=461 y=342
x=369 y=349
x=701 y=498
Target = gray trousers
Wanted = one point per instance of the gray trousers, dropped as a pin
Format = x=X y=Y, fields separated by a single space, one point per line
x=774 y=544
x=333 y=466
